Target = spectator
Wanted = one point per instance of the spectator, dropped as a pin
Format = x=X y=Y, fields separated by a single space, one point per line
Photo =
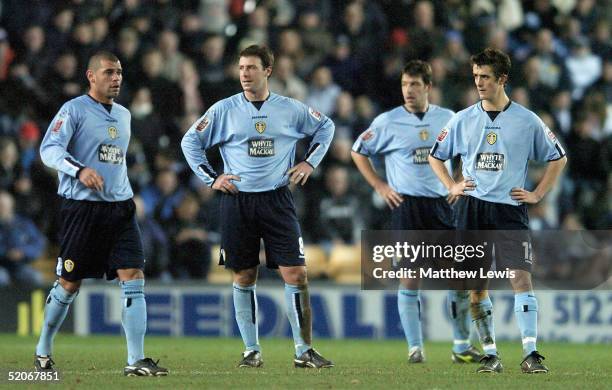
x=127 y=50
x=146 y=124
x=601 y=40
x=551 y=70
x=561 y=109
x=173 y=59
x=83 y=44
x=323 y=92
x=164 y=93
x=317 y=40
x=58 y=34
x=189 y=244
x=345 y=67
x=584 y=67
x=101 y=40
x=589 y=169
x=284 y=80
x=35 y=54
x=62 y=82
x=344 y=116
x=340 y=218
x=9 y=157
x=211 y=69
x=163 y=196
x=155 y=244
x=20 y=243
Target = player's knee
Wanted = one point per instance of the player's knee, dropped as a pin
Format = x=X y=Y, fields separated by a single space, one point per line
x=295 y=275
x=521 y=281
x=245 y=277
x=477 y=296
x=130 y=274
x=71 y=287
x=410 y=284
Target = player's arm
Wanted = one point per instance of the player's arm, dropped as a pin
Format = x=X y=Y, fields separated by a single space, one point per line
x=551 y=174
x=363 y=163
x=54 y=150
x=444 y=149
x=455 y=188
x=545 y=147
x=202 y=135
x=321 y=128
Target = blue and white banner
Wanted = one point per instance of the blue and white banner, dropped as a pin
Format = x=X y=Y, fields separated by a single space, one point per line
x=339 y=312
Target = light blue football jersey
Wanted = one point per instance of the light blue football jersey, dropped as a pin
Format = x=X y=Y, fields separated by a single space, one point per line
x=256 y=145
x=85 y=134
x=405 y=141
x=495 y=153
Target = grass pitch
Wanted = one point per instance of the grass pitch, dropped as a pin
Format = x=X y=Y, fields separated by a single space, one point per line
x=97 y=362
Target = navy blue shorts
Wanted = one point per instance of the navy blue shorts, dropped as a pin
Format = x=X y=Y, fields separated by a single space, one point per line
x=422 y=213
x=503 y=225
x=249 y=217
x=98 y=238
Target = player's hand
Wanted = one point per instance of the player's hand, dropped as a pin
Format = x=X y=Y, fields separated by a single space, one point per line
x=459 y=188
x=225 y=185
x=522 y=195
x=300 y=173
x=91 y=179
x=452 y=199
x=392 y=198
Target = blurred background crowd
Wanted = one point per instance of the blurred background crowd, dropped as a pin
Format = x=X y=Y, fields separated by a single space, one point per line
x=341 y=57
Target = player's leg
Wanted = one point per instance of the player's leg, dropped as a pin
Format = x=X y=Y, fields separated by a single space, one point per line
x=526 y=311
x=472 y=215
x=516 y=254
x=240 y=244
x=410 y=215
x=285 y=250
x=126 y=261
x=482 y=316
x=78 y=259
x=297 y=301
x=58 y=302
x=245 y=309
x=409 y=309
x=458 y=304
x=134 y=322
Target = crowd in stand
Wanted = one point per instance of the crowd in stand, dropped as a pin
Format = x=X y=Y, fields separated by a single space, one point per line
x=341 y=57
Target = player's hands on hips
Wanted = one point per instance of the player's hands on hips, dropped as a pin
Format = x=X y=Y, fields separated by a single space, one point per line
x=224 y=184
x=300 y=173
x=392 y=198
x=91 y=179
x=459 y=188
x=522 y=195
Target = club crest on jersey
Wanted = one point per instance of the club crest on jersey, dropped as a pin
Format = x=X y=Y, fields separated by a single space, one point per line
x=68 y=265
x=491 y=138
x=367 y=135
x=203 y=124
x=113 y=133
x=260 y=127
x=442 y=135
x=423 y=135
x=314 y=113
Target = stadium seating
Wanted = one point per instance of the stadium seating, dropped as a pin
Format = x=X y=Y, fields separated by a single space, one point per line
x=344 y=264
x=316 y=261
x=218 y=274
